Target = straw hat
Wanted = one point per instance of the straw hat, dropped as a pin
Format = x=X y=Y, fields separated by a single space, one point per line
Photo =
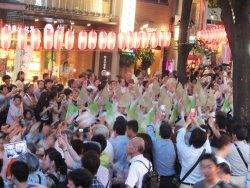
x=145 y=101
x=202 y=96
x=103 y=98
x=135 y=92
x=210 y=100
x=118 y=90
x=179 y=89
x=197 y=86
x=125 y=100
x=83 y=96
x=156 y=88
x=225 y=89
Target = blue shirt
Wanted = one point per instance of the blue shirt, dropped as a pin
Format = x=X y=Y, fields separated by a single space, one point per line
x=96 y=183
x=163 y=153
x=119 y=145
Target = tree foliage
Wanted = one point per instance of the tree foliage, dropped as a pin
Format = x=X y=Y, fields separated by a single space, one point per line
x=147 y=58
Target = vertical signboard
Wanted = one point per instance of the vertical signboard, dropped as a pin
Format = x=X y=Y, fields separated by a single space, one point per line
x=128 y=15
x=104 y=63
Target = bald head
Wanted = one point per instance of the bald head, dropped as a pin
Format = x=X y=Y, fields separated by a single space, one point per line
x=139 y=143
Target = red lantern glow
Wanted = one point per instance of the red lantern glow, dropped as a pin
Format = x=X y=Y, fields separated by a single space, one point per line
x=48 y=39
x=144 y=39
x=121 y=41
x=69 y=40
x=154 y=40
x=58 y=39
x=82 y=40
x=102 y=40
x=5 y=37
x=129 y=40
x=92 y=39
x=21 y=38
x=111 y=40
x=35 y=38
x=136 y=39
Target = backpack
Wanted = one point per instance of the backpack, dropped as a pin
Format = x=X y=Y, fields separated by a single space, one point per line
x=150 y=179
x=55 y=179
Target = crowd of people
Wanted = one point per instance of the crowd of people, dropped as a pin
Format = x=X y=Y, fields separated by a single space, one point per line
x=98 y=133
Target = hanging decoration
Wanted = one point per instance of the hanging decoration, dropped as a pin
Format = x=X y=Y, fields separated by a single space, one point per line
x=136 y=39
x=5 y=37
x=111 y=40
x=213 y=35
x=82 y=40
x=92 y=39
x=129 y=40
x=69 y=39
x=121 y=41
x=48 y=39
x=21 y=38
x=35 y=39
x=154 y=40
x=58 y=39
x=144 y=39
x=102 y=40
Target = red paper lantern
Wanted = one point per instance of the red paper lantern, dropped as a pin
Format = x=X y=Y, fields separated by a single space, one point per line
x=144 y=39
x=102 y=40
x=5 y=37
x=35 y=38
x=136 y=39
x=21 y=38
x=164 y=39
x=129 y=40
x=198 y=35
x=121 y=41
x=82 y=40
x=92 y=39
x=69 y=39
x=58 y=39
x=111 y=40
x=154 y=40
x=48 y=39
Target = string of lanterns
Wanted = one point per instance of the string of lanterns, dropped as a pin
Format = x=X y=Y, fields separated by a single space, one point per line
x=86 y=39
x=213 y=35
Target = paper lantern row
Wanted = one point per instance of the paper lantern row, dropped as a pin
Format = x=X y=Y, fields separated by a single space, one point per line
x=105 y=40
x=213 y=35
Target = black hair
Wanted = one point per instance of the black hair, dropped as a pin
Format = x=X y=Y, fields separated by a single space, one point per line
x=198 y=138
x=137 y=72
x=77 y=145
x=80 y=177
x=133 y=124
x=32 y=147
x=100 y=87
x=221 y=119
x=90 y=74
x=53 y=94
x=58 y=160
x=18 y=76
x=205 y=128
x=48 y=81
x=2 y=87
x=91 y=162
x=20 y=170
x=144 y=83
x=70 y=82
x=26 y=111
x=40 y=81
x=224 y=140
x=165 y=73
x=101 y=140
x=91 y=147
x=224 y=168
x=17 y=96
x=196 y=73
x=1 y=182
x=103 y=78
x=208 y=156
x=6 y=77
x=240 y=131
x=148 y=146
x=165 y=130
x=82 y=75
x=45 y=75
x=120 y=127
x=67 y=92
x=43 y=99
x=121 y=118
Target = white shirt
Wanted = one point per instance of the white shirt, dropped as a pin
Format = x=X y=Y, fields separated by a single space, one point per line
x=110 y=151
x=137 y=170
x=14 y=112
x=189 y=155
x=237 y=164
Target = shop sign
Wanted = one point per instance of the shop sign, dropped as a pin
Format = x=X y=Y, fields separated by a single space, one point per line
x=105 y=63
x=128 y=15
x=226 y=53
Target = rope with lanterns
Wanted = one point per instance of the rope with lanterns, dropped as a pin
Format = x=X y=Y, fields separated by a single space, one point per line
x=86 y=39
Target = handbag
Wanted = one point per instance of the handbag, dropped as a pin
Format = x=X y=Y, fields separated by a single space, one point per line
x=241 y=155
x=177 y=182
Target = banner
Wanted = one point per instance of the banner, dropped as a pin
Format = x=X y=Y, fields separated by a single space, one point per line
x=22 y=61
x=226 y=53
